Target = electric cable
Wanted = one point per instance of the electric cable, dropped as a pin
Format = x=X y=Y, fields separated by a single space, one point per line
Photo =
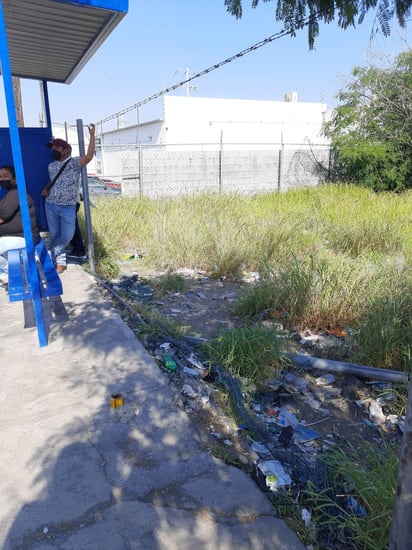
x=301 y=24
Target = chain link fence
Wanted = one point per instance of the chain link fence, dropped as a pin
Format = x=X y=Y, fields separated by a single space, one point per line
x=157 y=171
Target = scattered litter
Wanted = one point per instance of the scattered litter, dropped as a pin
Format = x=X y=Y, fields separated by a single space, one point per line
x=309 y=340
x=338 y=332
x=168 y=360
x=312 y=402
x=286 y=418
x=227 y=442
x=257 y=408
x=195 y=362
x=275 y=474
x=165 y=346
x=354 y=507
x=303 y=434
x=306 y=516
x=191 y=372
x=376 y=415
x=170 y=363
x=378 y=384
x=325 y=380
x=45 y=530
x=116 y=400
x=188 y=390
x=261 y=449
x=298 y=382
x=285 y=436
x=384 y=398
x=326 y=392
x=393 y=420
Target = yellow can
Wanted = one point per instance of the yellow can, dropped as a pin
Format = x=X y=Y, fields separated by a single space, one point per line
x=116 y=400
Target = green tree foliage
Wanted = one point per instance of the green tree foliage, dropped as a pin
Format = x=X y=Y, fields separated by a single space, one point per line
x=296 y=14
x=371 y=129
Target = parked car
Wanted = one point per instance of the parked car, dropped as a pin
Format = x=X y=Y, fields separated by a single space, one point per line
x=111 y=183
x=106 y=181
x=97 y=188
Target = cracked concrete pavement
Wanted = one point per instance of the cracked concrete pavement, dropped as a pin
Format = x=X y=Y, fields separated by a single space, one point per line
x=76 y=473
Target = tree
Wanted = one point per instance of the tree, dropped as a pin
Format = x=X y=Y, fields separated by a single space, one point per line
x=371 y=129
x=296 y=14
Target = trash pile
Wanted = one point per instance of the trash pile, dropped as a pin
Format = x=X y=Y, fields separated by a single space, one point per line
x=283 y=431
x=287 y=410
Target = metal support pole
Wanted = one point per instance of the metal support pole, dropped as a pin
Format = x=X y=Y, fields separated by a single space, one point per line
x=21 y=182
x=46 y=104
x=86 y=198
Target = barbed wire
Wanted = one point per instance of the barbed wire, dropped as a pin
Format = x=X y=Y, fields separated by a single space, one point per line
x=252 y=48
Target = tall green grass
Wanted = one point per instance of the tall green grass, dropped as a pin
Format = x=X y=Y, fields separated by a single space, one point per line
x=368 y=475
x=326 y=256
x=251 y=353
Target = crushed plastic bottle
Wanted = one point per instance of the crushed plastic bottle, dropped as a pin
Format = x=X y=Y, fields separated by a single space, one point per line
x=170 y=363
x=168 y=360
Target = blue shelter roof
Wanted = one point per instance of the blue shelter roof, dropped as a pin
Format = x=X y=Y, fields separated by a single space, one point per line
x=52 y=40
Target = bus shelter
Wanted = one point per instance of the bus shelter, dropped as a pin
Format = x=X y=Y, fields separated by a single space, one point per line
x=48 y=41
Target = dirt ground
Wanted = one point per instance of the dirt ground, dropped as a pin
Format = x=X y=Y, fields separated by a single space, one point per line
x=339 y=412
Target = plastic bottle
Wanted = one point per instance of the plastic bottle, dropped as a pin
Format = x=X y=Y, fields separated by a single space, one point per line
x=169 y=362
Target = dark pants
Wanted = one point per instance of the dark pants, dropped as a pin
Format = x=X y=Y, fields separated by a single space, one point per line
x=77 y=242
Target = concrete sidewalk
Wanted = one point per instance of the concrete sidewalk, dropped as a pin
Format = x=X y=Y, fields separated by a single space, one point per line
x=77 y=474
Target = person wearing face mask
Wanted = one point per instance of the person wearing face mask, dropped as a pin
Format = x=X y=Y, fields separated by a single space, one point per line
x=11 y=224
x=61 y=194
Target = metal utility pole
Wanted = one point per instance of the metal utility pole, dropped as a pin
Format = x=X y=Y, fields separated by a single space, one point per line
x=189 y=88
x=187 y=83
x=17 y=101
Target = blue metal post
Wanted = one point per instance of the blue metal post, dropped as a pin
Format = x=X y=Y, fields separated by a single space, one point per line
x=21 y=182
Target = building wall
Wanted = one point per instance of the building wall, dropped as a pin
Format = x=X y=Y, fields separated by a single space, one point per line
x=201 y=120
x=209 y=120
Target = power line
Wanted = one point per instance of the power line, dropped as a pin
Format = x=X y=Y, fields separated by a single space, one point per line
x=256 y=46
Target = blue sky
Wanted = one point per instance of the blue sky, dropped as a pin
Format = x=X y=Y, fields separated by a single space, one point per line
x=156 y=41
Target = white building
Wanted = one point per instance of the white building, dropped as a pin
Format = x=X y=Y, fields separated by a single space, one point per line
x=214 y=145
x=202 y=120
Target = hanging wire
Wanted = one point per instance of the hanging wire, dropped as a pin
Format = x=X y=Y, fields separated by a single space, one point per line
x=304 y=22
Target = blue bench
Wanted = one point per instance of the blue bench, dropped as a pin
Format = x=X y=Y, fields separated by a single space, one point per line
x=19 y=280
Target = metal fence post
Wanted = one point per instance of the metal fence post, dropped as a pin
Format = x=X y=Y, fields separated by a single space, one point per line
x=220 y=161
x=140 y=171
x=281 y=165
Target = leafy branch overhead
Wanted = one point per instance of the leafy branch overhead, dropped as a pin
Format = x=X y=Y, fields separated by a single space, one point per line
x=371 y=128
x=297 y=14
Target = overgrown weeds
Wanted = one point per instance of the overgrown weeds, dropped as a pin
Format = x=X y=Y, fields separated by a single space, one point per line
x=357 y=503
x=325 y=256
x=251 y=353
x=169 y=282
x=333 y=256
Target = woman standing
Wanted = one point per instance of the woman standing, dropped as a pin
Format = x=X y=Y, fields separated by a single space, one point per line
x=61 y=194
